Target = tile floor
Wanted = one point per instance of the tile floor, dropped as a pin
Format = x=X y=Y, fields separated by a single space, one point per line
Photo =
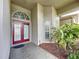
x=30 y=51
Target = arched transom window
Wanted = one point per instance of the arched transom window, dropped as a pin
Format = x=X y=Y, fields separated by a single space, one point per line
x=21 y=16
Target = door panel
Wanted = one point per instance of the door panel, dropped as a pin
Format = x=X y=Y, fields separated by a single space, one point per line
x=17 y=32
x=26 y=32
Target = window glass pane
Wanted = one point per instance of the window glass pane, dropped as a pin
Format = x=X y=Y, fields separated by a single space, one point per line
x=17 y=32
x=26 y=31
x=46 y=35
x=21 y=16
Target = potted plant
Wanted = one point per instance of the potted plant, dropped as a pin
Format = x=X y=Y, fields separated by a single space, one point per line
x=66 y=36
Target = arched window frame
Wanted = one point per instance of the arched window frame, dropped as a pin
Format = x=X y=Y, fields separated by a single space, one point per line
x=18 y=18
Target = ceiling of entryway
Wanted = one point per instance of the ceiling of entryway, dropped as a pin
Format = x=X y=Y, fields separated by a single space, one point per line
x=30 y=3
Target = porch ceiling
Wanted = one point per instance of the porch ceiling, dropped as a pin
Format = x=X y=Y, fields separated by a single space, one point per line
x=30 y=3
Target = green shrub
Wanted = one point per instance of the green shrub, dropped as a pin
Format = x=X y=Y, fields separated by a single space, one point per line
x=74 y=55
x=66 y=35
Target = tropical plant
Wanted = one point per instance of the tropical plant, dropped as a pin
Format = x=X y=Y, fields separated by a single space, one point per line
x=66 y=35
x=74 y=55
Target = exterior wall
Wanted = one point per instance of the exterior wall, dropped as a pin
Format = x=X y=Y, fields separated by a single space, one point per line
x=37 y=24
x=55 y=18
x=4 y=29
x=15 y=8
x=50 y=15
x=66 y=21
x=47 y=22
x=41 y=33
x=75 y=19
x=34 y=25
x=40 y=15
x=47 y=13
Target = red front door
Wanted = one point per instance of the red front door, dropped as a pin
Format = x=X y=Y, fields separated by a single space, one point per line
x=21 y=32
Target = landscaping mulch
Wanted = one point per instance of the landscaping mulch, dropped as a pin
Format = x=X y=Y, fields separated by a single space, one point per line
x=55 y=50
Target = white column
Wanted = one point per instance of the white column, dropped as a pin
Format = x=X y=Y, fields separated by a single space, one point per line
x=40 y=22
x=4 y=29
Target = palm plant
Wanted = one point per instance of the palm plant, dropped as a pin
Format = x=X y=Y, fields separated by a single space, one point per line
x=66 y=35
x=74 y=55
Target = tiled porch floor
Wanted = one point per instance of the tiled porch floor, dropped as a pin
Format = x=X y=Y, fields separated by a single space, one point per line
x=30 y=51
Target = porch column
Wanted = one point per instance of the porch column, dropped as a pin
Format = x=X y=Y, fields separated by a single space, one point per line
x=4 y=29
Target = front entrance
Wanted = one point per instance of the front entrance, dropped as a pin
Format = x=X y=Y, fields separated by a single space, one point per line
x=21 y=28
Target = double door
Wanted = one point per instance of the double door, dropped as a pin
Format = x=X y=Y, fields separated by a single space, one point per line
x=21 y=32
